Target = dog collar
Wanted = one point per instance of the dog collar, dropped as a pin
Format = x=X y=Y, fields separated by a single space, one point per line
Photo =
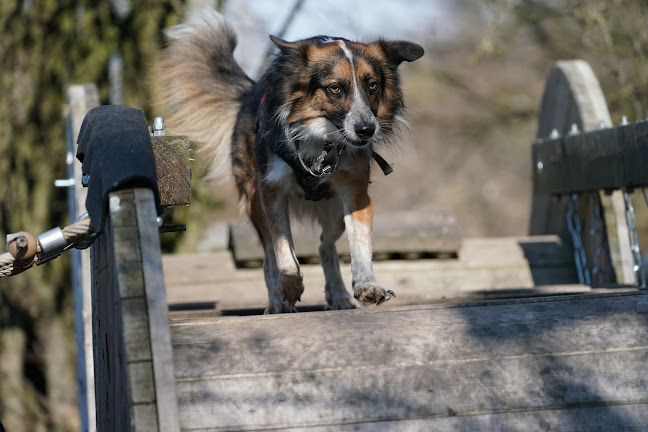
x=318 y=168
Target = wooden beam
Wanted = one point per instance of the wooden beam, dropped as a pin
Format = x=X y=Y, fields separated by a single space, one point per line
x=81 y=99
x=173 y=168
x=561 y=363
x=606 y=159
x=134 y=384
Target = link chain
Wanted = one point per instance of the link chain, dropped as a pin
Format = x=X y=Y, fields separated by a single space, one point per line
x=634 y=238
x=596 y=234
x=580 y=258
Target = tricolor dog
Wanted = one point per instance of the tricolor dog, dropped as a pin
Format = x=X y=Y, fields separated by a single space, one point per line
x=302 y=139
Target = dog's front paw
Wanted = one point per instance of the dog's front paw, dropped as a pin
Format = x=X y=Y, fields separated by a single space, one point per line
x=367 y=294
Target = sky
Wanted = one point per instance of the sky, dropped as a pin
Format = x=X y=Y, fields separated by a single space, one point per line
x=360 y=20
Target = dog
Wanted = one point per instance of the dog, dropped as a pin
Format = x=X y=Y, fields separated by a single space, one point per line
x=301 y=139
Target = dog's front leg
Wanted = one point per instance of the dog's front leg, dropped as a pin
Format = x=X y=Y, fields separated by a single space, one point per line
x=290 y=286
x=358 y=219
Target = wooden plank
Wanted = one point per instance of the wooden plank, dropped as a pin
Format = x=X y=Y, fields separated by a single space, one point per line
x=613 y=158
x=160 y=338
x=483 y=267
x=173 y=168
x=569 y=419
x=464 y=364
x=112 y=387
x=393 y=233
x=132 y=352
x=80 y=99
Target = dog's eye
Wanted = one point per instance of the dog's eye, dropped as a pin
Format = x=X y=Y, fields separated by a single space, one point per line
x=373 y=86
x=334 y=88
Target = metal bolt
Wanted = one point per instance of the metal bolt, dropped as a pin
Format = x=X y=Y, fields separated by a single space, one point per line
x=624 y=121
x=85 y=180
x=539 y=166
x=160 y=221
x=602 y=125
x=573 y=130
x=554 y=134
x=159 y=126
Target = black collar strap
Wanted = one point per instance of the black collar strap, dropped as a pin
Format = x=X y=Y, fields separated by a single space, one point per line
x=386 y=167
x=318 y=170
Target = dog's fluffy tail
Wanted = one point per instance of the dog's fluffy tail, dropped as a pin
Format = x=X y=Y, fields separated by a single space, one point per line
x=202 y=86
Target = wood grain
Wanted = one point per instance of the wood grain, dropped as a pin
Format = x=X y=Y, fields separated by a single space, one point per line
x=173 y=168
x=134 y=378
x=514 y=362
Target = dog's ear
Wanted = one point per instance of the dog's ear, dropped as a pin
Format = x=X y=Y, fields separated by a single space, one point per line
x=397 y=52
x=288 y=48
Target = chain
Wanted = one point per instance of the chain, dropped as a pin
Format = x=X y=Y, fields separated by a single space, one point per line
x=596 y=234
x=574 y=226
x=634 y=239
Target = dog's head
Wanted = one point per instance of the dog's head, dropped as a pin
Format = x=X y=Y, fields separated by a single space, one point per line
x=340 y=91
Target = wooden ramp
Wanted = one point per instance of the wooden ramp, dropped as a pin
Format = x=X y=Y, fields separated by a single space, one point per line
x=533 y=349
x=544 y=364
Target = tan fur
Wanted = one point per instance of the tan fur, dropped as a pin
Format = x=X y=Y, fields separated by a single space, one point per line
x=204 y=109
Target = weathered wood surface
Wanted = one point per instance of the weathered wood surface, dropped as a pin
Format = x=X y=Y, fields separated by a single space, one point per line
x=612 y=158
x=406 y=232
x=81 y=99
x=573 y=96
x=134 y=378
x=543 y=364
x=173 y=168
x=485 y=267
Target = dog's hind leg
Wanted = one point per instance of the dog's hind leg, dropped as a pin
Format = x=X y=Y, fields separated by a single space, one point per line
x=332 y=222
x=284 y=279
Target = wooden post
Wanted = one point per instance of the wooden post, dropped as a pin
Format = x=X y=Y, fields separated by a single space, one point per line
x=81 y=98
x=135 y=386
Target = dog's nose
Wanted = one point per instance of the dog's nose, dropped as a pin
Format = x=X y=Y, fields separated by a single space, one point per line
x=365 y=130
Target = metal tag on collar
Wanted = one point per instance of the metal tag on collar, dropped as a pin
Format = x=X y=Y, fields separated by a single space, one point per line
x=317 y=165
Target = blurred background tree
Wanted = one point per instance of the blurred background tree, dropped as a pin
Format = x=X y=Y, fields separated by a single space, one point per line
x=46 y=45
x=474 y=97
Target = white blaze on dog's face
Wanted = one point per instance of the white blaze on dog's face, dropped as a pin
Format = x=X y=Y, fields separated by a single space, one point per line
x=343 y=91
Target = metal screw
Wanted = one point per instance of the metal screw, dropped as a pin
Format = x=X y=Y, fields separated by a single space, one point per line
x=602 y=125
x=554 y=134
x=573 y=130
x=539 y=166
x=160 y=221
x=624 y=121
x=159 y=126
